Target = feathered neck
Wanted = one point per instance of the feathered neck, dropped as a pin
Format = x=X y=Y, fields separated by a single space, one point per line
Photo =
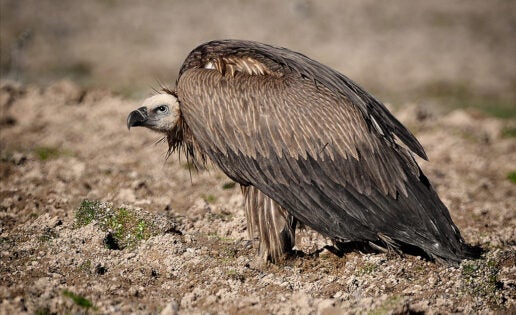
x=181 y=139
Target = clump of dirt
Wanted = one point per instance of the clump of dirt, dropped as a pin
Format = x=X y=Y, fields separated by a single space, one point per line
x=94 y=219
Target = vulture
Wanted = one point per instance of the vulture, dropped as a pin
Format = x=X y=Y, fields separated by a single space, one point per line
x=308 y=146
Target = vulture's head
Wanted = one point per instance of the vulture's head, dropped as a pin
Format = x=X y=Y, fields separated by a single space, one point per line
x=159 y=113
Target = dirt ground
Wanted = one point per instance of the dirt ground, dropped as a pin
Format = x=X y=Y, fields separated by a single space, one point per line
x=61 y=145
x=94 y=219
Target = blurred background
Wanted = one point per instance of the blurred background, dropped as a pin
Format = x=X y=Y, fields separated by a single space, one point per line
x=450 y=53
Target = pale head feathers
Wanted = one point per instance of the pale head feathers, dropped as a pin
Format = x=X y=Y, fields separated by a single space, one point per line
x=163 y=111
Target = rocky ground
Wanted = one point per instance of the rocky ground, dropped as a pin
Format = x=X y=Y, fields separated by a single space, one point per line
x=155 y=236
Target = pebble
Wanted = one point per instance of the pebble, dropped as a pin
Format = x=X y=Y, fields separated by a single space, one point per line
x=171 y=309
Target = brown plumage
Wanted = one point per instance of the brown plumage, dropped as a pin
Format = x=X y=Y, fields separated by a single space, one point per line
x=306 y=144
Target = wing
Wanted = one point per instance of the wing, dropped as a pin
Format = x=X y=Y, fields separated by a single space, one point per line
x=311 y=148
x=264 y=59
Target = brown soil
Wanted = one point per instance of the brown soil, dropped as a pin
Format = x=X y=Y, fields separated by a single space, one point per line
x=61 y=145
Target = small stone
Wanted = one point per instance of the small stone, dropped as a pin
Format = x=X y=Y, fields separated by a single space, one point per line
x=325 y=304
x=171 y=309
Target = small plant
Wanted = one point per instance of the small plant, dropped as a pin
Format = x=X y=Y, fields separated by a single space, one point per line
x=77 y=299
x=228 y=185
x=86 y=212
x=512 y=177
x=42 y=311
x=116 y=222
x=367 y=269
x=46 y=153
x=141 y=229
x=509 y=132
x=209 y=198
x=469 y=269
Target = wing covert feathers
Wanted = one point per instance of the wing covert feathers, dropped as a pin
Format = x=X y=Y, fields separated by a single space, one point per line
x=257 y=58
x=293 y=119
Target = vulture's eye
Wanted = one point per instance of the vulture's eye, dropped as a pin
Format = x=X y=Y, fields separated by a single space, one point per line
x=162 y=109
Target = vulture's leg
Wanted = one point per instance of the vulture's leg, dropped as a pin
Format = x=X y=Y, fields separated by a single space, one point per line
x=273 y=224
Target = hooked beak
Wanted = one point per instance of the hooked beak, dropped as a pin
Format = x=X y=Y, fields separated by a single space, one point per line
x=137 y=117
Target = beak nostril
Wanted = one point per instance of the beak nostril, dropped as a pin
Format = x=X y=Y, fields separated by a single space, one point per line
x=142 y=110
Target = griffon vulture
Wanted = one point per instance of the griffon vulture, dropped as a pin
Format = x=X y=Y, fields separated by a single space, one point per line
x=307 y=145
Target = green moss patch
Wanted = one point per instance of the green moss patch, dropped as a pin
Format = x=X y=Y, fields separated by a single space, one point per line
x=512 y=177
x=78 y=300
x=125 y=227
x=209 y=198
x=47 y=153
x=87 y=212
x=367 y=269
x=509 y=132
x=228 y=185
